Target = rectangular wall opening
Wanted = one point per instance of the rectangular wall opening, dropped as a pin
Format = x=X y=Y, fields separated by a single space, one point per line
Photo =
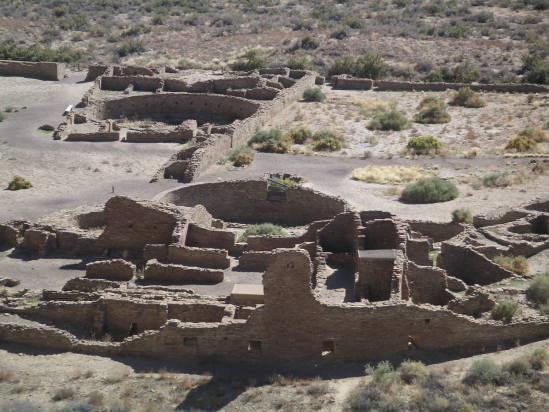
x=254 y=346
x=190 y=341
x=328 y=347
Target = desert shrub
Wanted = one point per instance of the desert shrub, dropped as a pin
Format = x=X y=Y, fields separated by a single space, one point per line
x=432 y=111
x=462 y=216
x=429 y=190
x=496 y=179
x=516 y=264
x=467 y=98
x=412 y=371
x=9 y=50
x=2 y=117
x=537 y=135
x=19 y=183
x=251 y=60
x=383 y=374
x=306 y=43
x=186 y=64
x=388 y=174
x=242 y=156
x=370 y=398
x=521 y=144
x=344 y=65
x=314 y=94
x=270 y=141
x=538 y=359
x=389 y=120
x=328 y=144
x=485 y=371
x=130 y=47
x=63 y=393
x=504 y=310
x=463 y=73
x=300 y=63
x=518 y=366
x=538 y=290
x=535 y=69
x=423 y=145
x=263 y=229
x=325 y=134
x=370 y=65
x=300 y=135
x=339 y=34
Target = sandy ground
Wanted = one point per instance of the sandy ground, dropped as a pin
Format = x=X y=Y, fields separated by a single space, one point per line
x=65 y=174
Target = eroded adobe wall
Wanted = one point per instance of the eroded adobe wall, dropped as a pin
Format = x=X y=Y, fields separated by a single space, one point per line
x=353 y=83
x=247 y=201
x=438 y=232
x=36 y=70
x=140 y=83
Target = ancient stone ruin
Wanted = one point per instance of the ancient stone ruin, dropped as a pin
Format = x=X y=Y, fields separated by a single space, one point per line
x=171 y=278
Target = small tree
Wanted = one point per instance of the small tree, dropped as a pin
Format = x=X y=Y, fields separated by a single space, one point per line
x=429 y=190
x=251 y=60
x=370 y=65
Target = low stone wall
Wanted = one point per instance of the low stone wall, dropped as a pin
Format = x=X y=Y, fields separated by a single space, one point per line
x=196 y=312
x=94 y=137
x=199 y=236
x=157 y=136
x=255 y=261
x=353 y=83
x=115 y=269
x=172 y=273
x=35 y=70
x=200 y=257
x=438 y=232
x=140 y=83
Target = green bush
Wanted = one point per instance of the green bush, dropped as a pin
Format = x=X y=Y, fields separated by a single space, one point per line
x=251 y=60
x=432 y=111
x=537 y=135
x=383 y=374
x=429 y=190
x=9 y=50
x=412 y=371
x=300 y=63
x=535 y=69
x=462 y=216
x=242 y=156
x=314 y=94
x=538 y=290
x=521 y=144
x=516 y=264
x=2 y=117
x=344 y=65
x=504 y=310
x=423 y=145
x=300 y=135
x=263 y=229
x=518 y=366
x=538 y=359
x=330 y=144
x=467 y=98
x=19 y=183
x=269 y=141
x=371 y=66
x=130 y=47
x=484 y=372
x=389 y=120
x=463 y=73
x=496 y=179
x=325 y=134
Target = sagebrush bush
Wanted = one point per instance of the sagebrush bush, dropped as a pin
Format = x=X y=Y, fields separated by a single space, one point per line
x=19 y=183
x=300 y=63
x=326 y=134
x=423 y=145
x=496 y=179
x=429 y=190
x=432 y=111
x=538 y=290
x=2 y=117
x=389 y=120
x=9 y=50
x=535 y=68
x=383 y=374
x=537 y=135
x=242 y=156
x=521 y=144
x=314 y=94
x=328 y=144
x=369 y=65
x=485 y=371
x=504 y=310
x=516 y=264
x=263 y=229
x=269 y=141
x=300 y=135
x=251 y=60
x=467 y=98
x=412 y=371
x=130 y=47
x=462 y=216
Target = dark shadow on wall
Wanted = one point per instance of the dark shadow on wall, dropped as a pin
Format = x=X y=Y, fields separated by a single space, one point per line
x=343 y=278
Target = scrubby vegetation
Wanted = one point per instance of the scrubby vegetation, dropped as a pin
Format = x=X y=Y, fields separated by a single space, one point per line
x=424 y=145
x=432 y=110
x=516 y=264
x=9 y=50
x=520 y=143
x=504 y=310
x=388 y=174
x=389 y=120
x=538 y=290
x=270 y=141
x=429 y=190
x=251 y=60
x=300 y=135
x=327 y=140
x=369 y=65
x=19 y=183
x=497 y=179
x=467 y=98
x=242 y=156
x=462 y=216
x=263 y=229
x=314 y=94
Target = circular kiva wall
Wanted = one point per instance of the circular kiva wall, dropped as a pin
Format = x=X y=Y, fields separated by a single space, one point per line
x=175 y=107
x=250 y=201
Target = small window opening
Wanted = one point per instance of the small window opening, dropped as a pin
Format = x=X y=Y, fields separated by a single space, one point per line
x=190 y=341
x=328 y=347
x=254 y=346
x=133 y=329
x=427 y=321
x=412 y=343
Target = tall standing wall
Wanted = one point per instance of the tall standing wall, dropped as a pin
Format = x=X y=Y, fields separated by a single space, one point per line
x=35 y=70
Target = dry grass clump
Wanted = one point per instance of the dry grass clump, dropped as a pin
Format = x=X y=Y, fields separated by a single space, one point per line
x=516 y=264
x=372 y=105
x=467 y=98
x=520 y=143
x=462 y=216
x=242 y=156
x=389 y=175
x=538 y=290
x=63 y=393
x=472 y=153
x=389 y=120
x=504 y=310
x=424 y=145
x=19 y=183
x=5 y=373
x=432 y=110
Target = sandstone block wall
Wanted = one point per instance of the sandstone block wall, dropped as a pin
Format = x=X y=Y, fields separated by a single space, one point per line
x=115 y=269
x=36 y=70
x=196 y=312
x=200 y=257
x=173 y=273
x=140 y=83
x=199 y=236
x=255 y=261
